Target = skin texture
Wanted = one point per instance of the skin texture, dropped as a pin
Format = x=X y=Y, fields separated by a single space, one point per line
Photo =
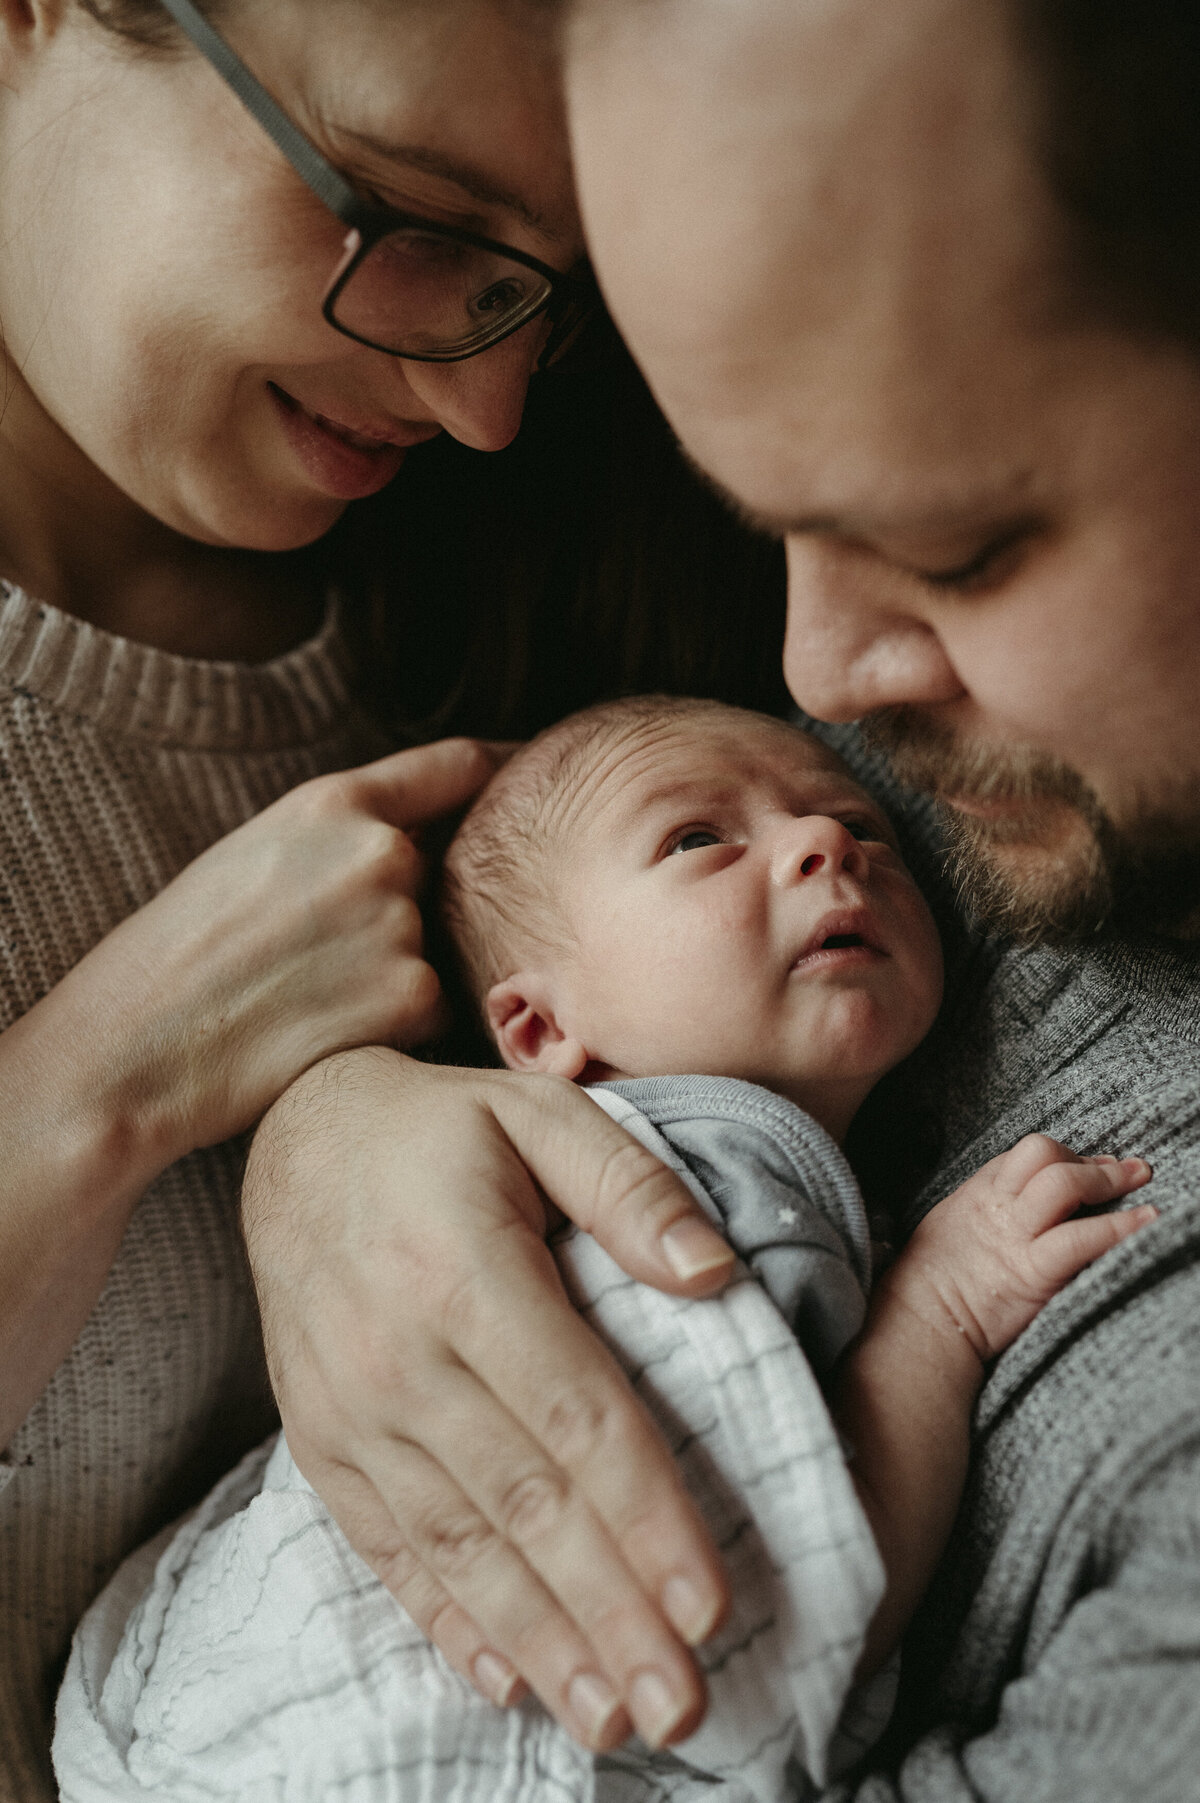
x=693 y=869
x=163 y=269
x=823 y=233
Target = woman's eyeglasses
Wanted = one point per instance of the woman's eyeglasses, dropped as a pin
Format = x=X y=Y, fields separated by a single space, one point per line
x=409 y=286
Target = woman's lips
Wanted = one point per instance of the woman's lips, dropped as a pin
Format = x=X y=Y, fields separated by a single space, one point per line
x=339 y=460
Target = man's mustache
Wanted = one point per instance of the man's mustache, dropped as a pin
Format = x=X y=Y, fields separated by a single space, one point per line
x=926 y=754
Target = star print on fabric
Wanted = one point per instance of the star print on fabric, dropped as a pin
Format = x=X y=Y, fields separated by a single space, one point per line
x=788 y=1217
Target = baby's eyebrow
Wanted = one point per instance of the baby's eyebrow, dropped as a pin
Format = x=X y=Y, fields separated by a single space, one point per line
x=686 y=789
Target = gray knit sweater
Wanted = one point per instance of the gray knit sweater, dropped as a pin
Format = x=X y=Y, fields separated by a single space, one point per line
x=119 y=764
x=1057 y=1656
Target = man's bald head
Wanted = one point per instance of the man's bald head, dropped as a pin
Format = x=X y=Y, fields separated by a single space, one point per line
x=1107 y=91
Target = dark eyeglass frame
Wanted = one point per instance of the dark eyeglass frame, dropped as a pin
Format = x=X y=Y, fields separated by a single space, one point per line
x=571 y=298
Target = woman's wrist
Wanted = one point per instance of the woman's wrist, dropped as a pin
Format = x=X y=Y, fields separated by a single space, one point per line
x=79 y=1102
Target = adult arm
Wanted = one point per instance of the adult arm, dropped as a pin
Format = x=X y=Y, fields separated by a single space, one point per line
x=471 y=1436
x=1107 y=1710
x=295 y=935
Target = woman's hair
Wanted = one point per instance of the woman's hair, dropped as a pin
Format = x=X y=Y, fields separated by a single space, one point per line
x=500 y=591
x=142 y=22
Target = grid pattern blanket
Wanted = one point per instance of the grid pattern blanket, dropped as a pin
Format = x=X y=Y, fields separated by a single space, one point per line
x=251 y=1655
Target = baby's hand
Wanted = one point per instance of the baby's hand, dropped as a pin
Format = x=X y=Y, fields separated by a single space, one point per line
x=1003 y=1243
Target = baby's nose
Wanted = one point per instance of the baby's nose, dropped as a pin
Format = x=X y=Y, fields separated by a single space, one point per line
x=818 y=842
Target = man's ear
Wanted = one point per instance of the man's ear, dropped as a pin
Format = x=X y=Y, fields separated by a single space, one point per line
x=520 y=1012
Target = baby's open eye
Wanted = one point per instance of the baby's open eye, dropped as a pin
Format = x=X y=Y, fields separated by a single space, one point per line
x=858 y=828
x=694 y=839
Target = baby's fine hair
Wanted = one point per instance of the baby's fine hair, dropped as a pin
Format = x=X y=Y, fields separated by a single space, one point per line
x=498 y=894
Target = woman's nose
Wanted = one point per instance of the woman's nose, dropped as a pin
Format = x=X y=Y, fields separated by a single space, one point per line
x=817 y=843
x=480 y=400
x=852 y=644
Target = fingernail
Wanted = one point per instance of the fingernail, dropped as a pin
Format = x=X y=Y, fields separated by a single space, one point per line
x=1147 y=1212
x=692 y=1248
x=690 y=1612
x=497 y=1679
x=594 y=1706
x=656 y=1711
x=1134 y=1166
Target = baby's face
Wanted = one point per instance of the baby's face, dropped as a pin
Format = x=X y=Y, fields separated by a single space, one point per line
x=736 y=905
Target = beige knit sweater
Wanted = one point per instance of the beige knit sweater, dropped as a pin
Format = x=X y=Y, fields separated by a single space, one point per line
x=118 y=765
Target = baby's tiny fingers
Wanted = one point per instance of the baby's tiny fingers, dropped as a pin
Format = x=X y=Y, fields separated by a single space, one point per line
x=1065 y=1251
x=1060 y=1189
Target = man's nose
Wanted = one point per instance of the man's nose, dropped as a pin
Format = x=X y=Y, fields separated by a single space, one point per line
x=852 y=646
x=480 y=400
x=813 y=844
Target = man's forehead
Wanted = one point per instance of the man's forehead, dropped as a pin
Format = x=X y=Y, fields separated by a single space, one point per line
x=814 y=235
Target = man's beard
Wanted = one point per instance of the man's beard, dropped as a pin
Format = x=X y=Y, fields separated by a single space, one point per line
x=1057 y=868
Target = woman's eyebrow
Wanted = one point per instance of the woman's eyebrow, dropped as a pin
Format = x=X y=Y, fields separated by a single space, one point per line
x=476 y=182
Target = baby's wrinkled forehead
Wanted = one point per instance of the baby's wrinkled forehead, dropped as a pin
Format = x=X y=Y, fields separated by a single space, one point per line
x=581 y=787
x=641 y=762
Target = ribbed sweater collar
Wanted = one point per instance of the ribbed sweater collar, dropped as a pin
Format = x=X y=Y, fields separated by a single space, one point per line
x=136 y=691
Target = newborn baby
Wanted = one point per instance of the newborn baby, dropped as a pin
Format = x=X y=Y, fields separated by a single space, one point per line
x=698 y=911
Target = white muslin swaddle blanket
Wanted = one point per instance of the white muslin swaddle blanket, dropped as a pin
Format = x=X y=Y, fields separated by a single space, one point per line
x=249 y=1654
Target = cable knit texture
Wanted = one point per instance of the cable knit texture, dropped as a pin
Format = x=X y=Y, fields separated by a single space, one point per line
x=119 y=764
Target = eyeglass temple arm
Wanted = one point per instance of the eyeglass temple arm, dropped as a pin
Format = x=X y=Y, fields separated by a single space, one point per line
x=304 y=157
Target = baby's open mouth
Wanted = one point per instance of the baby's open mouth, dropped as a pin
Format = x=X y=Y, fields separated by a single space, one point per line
x=848 y=933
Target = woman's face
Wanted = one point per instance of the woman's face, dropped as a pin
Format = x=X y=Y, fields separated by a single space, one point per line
x=163 y=267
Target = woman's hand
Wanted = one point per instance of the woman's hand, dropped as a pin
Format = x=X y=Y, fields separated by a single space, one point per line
x=296 y=935
x=293 y=937
x=469 y=1433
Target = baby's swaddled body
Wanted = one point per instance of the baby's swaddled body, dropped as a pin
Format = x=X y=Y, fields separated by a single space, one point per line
x=255 y=1657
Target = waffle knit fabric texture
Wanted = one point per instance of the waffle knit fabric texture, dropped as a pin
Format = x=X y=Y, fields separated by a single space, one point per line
x=119 y=764
x=1056 y=1657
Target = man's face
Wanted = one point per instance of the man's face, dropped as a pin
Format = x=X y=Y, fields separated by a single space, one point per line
x=822 y=230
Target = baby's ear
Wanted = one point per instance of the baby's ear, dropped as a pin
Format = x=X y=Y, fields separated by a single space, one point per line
x=521 y=1015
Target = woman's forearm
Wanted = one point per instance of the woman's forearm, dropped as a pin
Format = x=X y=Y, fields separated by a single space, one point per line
x=80 y=1146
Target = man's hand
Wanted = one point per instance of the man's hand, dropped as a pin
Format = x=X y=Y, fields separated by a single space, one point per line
x=471 y=1436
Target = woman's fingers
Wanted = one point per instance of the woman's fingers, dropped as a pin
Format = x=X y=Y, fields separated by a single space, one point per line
x=602 y=1179
x=409 y=788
